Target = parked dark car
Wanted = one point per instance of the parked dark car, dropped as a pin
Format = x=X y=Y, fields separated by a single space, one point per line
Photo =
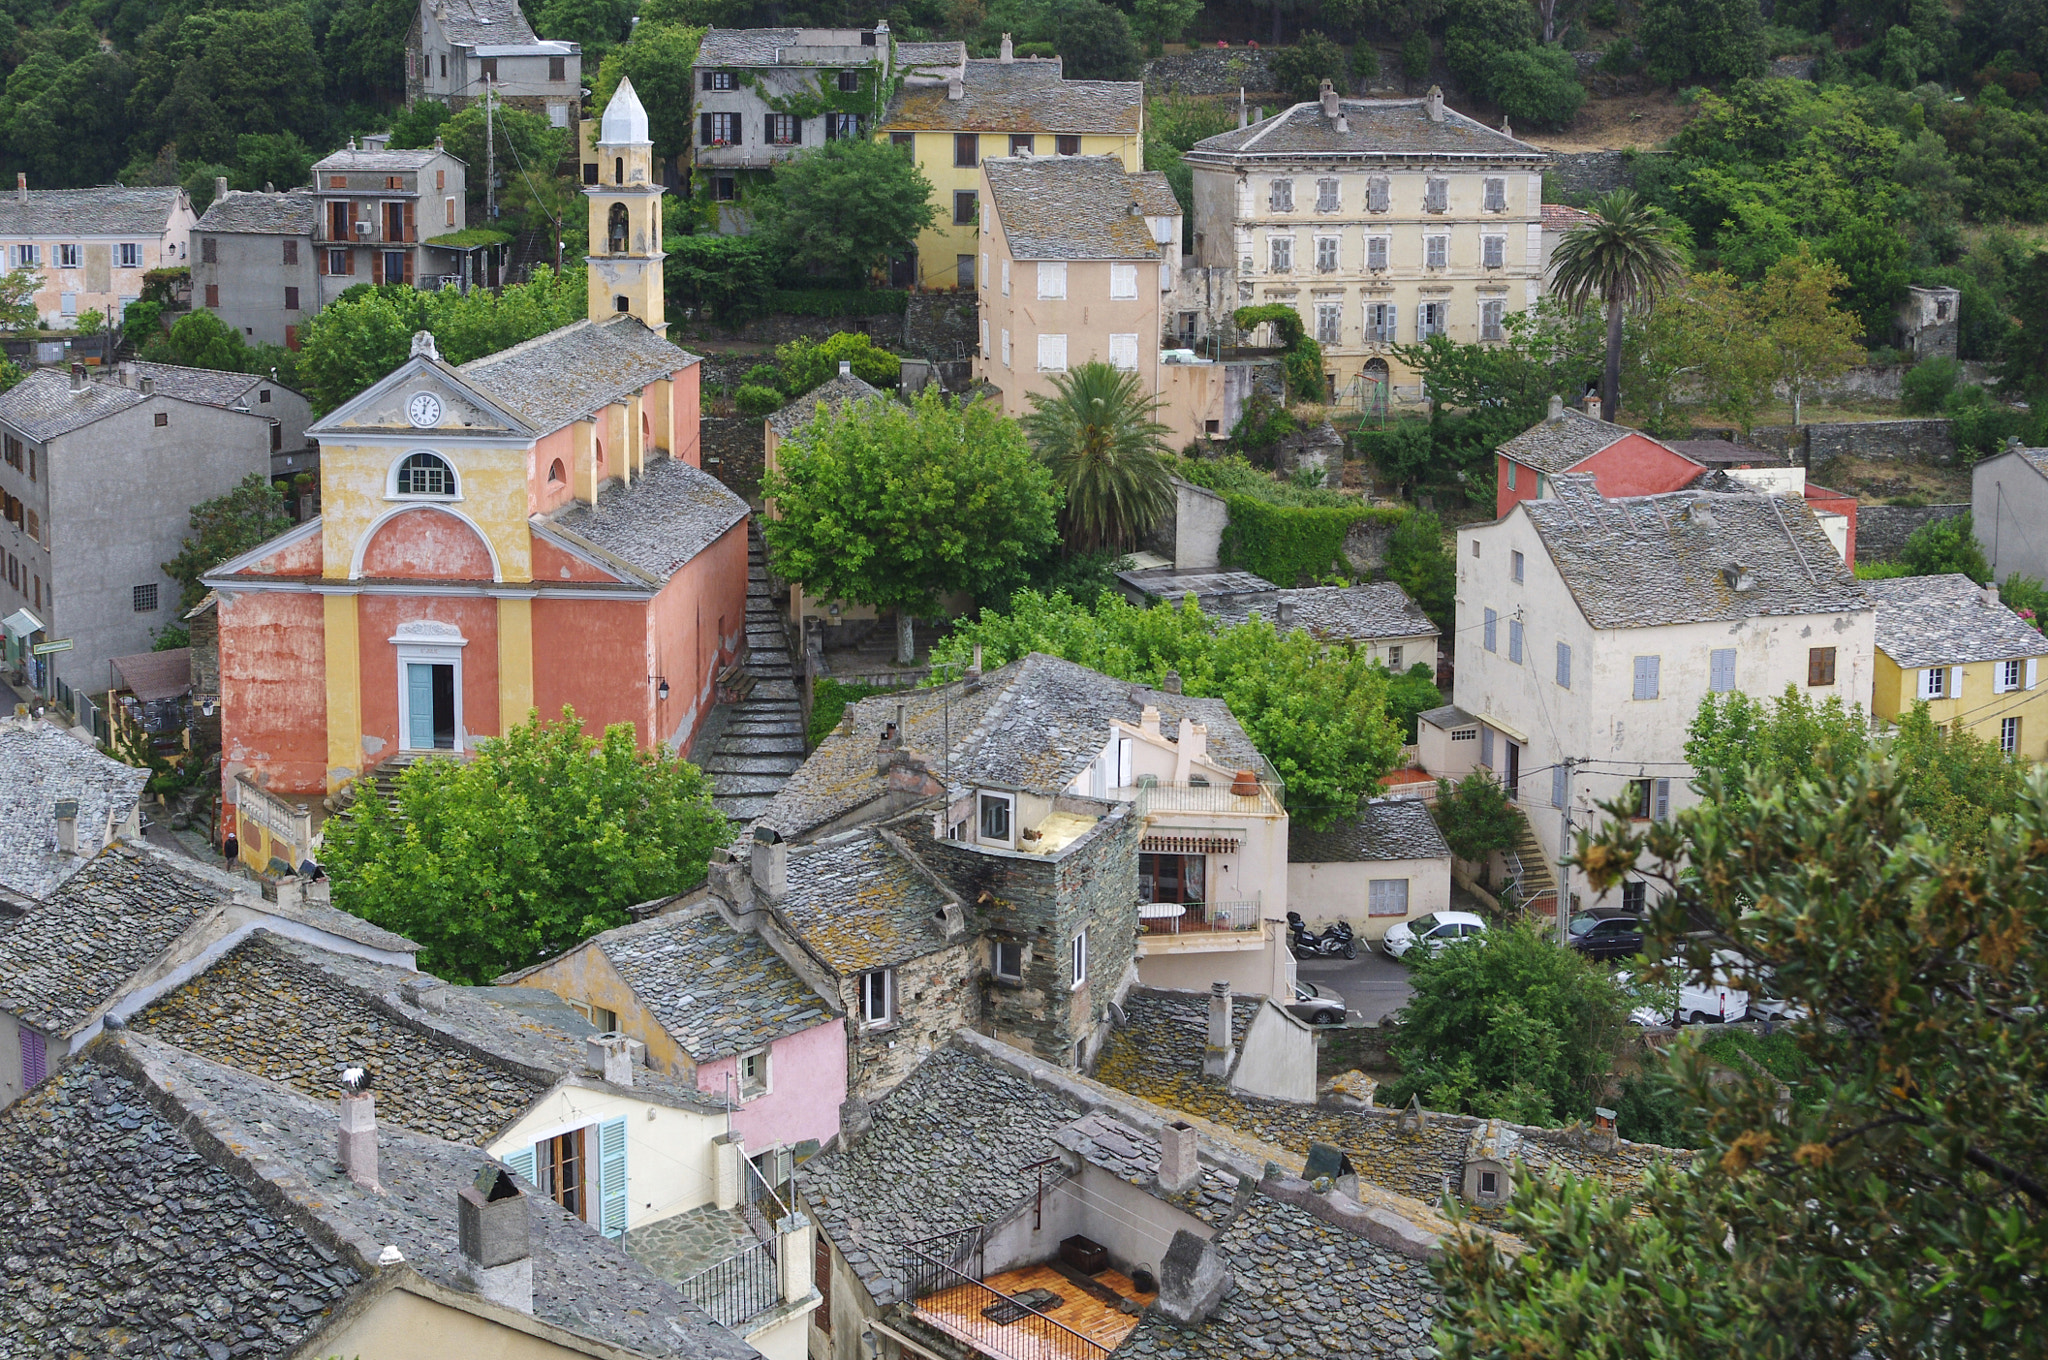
x=1606 y=934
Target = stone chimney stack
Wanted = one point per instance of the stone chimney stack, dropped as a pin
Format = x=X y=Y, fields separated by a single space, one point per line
x=1179 y=1165
x=955 y=90
x=1244 y=113
x=1217 y=1054
x=1556 y=407
x=1328 y=98
x=1283 y=612
x=613 y=1056
x=1171 y=684
x=497 y=1239
x=1148 y=721
x=66 y=813
x=1593 y=405
x=78 y=378
x=974 y=668
x=220 y=187
x=358 y=1128
x=770 y=865
x=21 y=186
x=1433 y=103
x=1008 y=54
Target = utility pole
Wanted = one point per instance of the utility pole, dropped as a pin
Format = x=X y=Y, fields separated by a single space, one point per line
x=490 y=160
x=1564 y=856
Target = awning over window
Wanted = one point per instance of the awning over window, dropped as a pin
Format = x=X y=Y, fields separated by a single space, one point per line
x=21 y=623
x=1191 y=843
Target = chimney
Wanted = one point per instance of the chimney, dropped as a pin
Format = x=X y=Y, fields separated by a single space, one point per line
x=1179 y=1166
x=1196 y=741
x=1171 y=684
x=268 y=187
x=1192 y=1279
x=1738 y=578
x=1328 y=96
x=1592 y=404
x=613 y=1056
x=1244 y=784
x=955 y=90
x=67 y=826
x=496 y=1239
x=1148 y=721
x=1991 y=600
x=358 y=1128
x=1008 y=54
x=974 y=668
x=1433 y=103
x=846 y=368
x=770 y=865
x=1244 y=113
x=1283 y=612
x=147 y=386
x=21 y=187
x=220 y=186
x=1556 y=407
x=1216 y=1056
x=440 y=145
x=78 y=379
x=1505 y=130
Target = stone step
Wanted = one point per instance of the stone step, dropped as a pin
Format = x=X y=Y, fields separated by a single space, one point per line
x=743 y=808
x=766 y=785
x=720 y=766
x=782 y=746
x=775 y=689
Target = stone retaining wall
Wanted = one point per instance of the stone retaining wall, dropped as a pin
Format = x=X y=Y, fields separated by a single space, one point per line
x=1882 y=530
x=739 y=446
x=1579 y=175
x=781 y=327
x=1910 y=441
x=941 y=327
x=1210 y=70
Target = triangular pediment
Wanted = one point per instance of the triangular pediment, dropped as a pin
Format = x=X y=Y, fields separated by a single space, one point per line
x=423 y=398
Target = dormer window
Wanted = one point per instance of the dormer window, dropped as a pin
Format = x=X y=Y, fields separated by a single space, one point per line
x=425 y=474
x=996 y=820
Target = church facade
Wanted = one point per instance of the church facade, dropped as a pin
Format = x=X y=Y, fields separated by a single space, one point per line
x=522 y=532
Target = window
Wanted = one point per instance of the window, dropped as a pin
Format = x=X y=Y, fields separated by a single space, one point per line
x=425 y=474
x=444 y=66
x=448 y=210
x=1280 y=195
x=67 y=256
x=1487 y=633
x=1006 y=278
x=488 y=68
x=849 y=82
x=1635 y=895
x=1639 y=798
x=1515 y=564
x=878 y=997
x=1394 y=659
x=1329 y=322
x=558 y=1170
x=1662 y=806
x=720 y=129
x=35 y=1058
x=1560 y=785
x=212 y=296
x=2009 y=736
x=1326 y=254
x=1820 y=666
x=1429 y=319
x=1022 y=144
x=1646 y=677
x=840 y=126
x=1721 y=670
x=337 y=262
x=291 y=299
x=1493 y=251
x=1123 y=352
x=163 y=418
x=35 y=527
x=1067 y=145
x=1515 y=641
x=995 y=817
x=1280 y=254
x=905 y=142
x=2009 y=673
x=1326 y=195
x=1496 y=195
x=1009 y=960
x=1564 y=665
x=1052 y=278
x=1436 y=195
x=397 y=266
x=1052 y=354
x=1436 y=251
x=784 y=129
x=291 y=248
x=1378 y=195
x=1489 y=1183
x=1080 y=977
x=725 y=188
x=966 y=150
x=1375 y=252
x=753 y=1074
x=558 y=69
x=145 y=599
x=719 y=80
x=1386 y=897
x=557 y=474
x=1123 y=281
x=965 y=204
x=1933 y=683
x=393 y=182
x=1379 y=322
x=25 y=256
x=1493 y=319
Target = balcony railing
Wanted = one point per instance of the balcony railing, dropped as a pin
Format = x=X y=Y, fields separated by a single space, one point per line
x=1268 y=800
x=742 y=1286
x=1204 y=917
x=991 y=1321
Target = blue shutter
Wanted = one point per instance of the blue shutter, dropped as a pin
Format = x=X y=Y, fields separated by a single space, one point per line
x=419 y=687
x=1721 y=678
x=521 y=1163
x=1486 y=747
x=1515 y=641
x=1490 y=634
x=1646 y=677
x=1663 y=792
x=611 y=1177
x=1564 y=666
x=34 y=1058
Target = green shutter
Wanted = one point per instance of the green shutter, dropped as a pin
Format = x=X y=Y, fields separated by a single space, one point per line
x=611 y=1177
x=521 y=1163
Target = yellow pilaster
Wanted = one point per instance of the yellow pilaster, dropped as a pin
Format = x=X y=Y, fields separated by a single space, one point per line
x=344 y=691
x=661 y=401
x=515 y=662
x=583 y=438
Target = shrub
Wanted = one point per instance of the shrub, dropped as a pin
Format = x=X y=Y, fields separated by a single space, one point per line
x=829 y=701
x=754 y=399
x=1286 y=544
x=1301 y=69
x=1977 y=423
x=1415 y=55
x=763 y=375
x=1928 y=384
x=1365 y=62
x=1539 y=86
x=1946 y=545
x=806 y=363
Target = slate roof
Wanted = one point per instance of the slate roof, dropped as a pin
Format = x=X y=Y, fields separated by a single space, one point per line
x=1394 y=829
x=717 y=990
x=834 y=394
x=926 y=55
x=1647 y=561
x=261 y=1132
x=1561 y=442
x=1020 y=97
x=1361 y=613
x=1448 y=717
x=575 y=369
x=1034 y=725
x=1132 y=1156
x=669 y=514
x=156 y=675
x=207 y=386
x=758 y=46
x=40 y=764
x=293 y=212
x=377 y=159
x=106 y=211
x=1563 y=217
x=1728 y=453
x=1947 y=621
x=42 y=405
x=1154 y=195
x=1068 y=208
x=858 y=902
x=947 y=1150
x=1376 y=127
x=121 y=1239
x=1212 y=589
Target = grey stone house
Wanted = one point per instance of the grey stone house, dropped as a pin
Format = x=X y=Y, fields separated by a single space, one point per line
x=253 y=263
x=2008 y=507
x=98 y=483
x=456 y=48
x=379 y=212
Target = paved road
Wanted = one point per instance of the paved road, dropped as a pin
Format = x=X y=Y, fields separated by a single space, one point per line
x=1371 y=984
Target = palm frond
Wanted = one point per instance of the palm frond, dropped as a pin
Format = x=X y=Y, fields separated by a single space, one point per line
x=1097 y=433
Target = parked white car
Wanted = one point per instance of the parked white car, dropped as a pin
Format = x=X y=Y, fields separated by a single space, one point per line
x=1432 y=932
x=1699 y=1003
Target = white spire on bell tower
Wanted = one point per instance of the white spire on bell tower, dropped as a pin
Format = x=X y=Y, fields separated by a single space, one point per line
x=625 y=217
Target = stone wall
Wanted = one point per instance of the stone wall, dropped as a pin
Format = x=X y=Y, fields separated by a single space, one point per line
x=1365 y=545
x=941 y=327
x=1195 y=534
x=1578 y=175
x=1210 y=70
x=935 y=999
x=738 y=446
x=1909 y=441
x=1865 y=382
x=1882 y=530
x=781 y=327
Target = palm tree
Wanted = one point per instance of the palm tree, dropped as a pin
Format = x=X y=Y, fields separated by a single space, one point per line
x=1096 y=432
x=1625 y=258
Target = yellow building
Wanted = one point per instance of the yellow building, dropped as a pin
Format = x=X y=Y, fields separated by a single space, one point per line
x=1004 y=106
x=1951 y=643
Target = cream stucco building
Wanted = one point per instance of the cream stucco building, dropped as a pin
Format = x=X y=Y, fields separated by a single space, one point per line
x=92 y=247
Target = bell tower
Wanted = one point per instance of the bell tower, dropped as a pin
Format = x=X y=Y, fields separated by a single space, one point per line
x=625 y=217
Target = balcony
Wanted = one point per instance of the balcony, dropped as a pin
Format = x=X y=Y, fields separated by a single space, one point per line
x=1200 y=918
x=1049 y=1311
x=1243 y=799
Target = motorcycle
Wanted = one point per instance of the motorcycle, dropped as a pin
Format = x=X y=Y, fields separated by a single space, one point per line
x=1336 y=941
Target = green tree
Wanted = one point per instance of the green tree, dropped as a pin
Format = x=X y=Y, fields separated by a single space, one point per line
x=846 y=208
x=542 y=840
x=98 y=329
x=352 y=343
x=1737 y=738
x=2023 y=354
x=1096 y=431
x=418 y=124
x=202 y=340
x=900 y=506
x=1476 y=818
x=806 y=363
x=1897 y=1211
x=1093 y=39
x=658 y=62
x=1943 y=546
x=597 y=24
x=1702 y=39
x=1158 y=22
x=280 y=159
x=227 y=526
x=1409 y=695
x=141 y=323
x=1624 y=259
x=1300 y=70
x=1514 y=1028
x=1807 y=338
x=10 y=374
x=529 y=148
x=18 y=289
x=1419 y=559
x=1490 y=46
x=1699 y=349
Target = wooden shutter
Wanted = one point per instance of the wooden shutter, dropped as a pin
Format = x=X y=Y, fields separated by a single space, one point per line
x=351 y=258
x=821 y=1279
x=611 y=1177
x=377 y=266
x=412 y=231
x=704 y=120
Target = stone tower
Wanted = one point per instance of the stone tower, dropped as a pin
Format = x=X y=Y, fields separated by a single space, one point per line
x=625 y=217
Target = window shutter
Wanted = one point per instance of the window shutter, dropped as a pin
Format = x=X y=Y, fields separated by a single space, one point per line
x=1564 y=662
x=376 y=266
x=521 y=1163
x=611 y=1177
x=1490 y=635
x=412 y=230
x=704 y=122
x=349 y=256
x=1721 y=677
x=34 y=1058
x=2033 y=666
x=1663 y=800
x=1927 y=683
x=1486 y=747
x=1646 y=677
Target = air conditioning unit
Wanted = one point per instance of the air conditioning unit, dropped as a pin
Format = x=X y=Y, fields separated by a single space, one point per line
x=363 y=228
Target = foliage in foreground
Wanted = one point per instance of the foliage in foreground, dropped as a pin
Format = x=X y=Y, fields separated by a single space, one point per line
x=1900 y=1210
x=224 y=527
x=543 y=840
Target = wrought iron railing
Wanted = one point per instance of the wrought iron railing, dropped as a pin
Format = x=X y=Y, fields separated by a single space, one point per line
x=959 y=1252
x=1199 y=917
x=741 y=1286
x=1265 y=799
x=991 y=1321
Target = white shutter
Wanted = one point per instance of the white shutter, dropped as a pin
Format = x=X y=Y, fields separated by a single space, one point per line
x=1123 y=281
x=1663 y=808
x=1052 y=353
x=1123 y=351
x=984 y=338
x=1006 y=347
x=982 y=277
x=1006 y=280
x=2033 y=667
x=1998 y=677
x=1052 y=278
x=1928 y=682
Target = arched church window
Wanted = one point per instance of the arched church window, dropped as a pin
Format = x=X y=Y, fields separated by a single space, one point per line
x=617 y=229
x=618 y=169
x=557 y=474
x=425 y=474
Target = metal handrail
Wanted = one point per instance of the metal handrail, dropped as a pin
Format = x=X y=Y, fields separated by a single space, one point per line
x=1270 y=798
x=743 y=1285
x=989 y=1335
x=1216 y=917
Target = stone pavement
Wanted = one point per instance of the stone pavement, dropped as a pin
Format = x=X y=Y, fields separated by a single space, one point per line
x=684 y=1244
x=757 y=743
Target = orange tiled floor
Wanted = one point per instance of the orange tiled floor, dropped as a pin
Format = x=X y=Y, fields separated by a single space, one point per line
x=957 y=1312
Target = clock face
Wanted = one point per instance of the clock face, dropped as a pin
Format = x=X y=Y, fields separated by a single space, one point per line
x=424 y=409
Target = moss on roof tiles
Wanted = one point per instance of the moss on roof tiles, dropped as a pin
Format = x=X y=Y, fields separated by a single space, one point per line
x=1020 y=97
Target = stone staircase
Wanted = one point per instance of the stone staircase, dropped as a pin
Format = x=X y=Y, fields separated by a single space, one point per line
x=758 y=730
x=381 y=779
x=1530 y=870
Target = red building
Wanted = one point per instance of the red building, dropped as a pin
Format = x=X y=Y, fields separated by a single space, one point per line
x=1624 y=462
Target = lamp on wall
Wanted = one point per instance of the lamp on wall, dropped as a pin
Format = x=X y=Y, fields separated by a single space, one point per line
x=660 y=687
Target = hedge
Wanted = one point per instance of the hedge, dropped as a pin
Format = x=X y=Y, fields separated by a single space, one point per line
x=839 y=301
x=1287 y=544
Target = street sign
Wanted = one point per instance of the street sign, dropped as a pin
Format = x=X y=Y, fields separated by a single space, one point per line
x=60 y=645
